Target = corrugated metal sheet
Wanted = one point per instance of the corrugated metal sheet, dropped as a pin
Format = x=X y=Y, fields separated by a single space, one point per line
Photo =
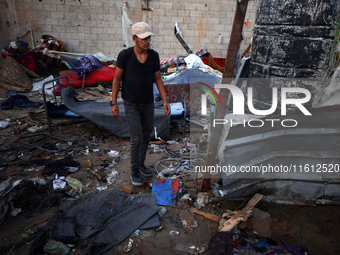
x=297 y=165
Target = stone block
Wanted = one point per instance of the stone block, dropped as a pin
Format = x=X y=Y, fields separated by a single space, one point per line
x=57 y=15
x=50 y=7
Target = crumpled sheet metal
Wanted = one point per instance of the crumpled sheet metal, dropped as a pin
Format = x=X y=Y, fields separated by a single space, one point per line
x=302 y=150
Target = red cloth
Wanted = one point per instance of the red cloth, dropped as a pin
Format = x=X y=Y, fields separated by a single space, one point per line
x=103 y=74
x=29 y=62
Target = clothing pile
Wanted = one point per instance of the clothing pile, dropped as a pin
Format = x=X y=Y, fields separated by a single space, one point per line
x=88 y=63
x=22 y=53
x=43 y=50
x=40 y=57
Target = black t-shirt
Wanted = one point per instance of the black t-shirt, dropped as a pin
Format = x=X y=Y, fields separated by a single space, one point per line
x=138 y=78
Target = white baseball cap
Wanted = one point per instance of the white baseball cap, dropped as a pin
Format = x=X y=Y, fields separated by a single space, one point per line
x=141 y=30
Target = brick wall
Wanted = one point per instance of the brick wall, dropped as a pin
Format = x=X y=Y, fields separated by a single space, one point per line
x=90 y=26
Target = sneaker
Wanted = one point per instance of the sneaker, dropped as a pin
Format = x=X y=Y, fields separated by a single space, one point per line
x=145 y=171
x=136 y=179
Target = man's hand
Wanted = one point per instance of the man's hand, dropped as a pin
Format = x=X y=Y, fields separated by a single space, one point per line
x=167 y=108
x=115 y=111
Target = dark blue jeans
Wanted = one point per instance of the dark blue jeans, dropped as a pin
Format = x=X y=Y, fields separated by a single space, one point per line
x=140 y=122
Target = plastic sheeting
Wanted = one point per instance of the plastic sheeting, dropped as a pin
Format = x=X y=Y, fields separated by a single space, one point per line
x=100 y=113
x=98 y=222
x=125 y=23
x=331 y=94
x=191 y=76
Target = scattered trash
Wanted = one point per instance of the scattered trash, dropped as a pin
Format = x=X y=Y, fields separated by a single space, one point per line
x=25 y=237
x=56 y=248
x=30 y=169
x=128 y=246
x=72 y=169
x=37 y=86
x=195 y=249
x=59 y=182
x=194 y=224
x=172 y=142
x=75 y=184
x=15 y=212
x=167 y=166
x=162 y=211
x=112 y=177
x=199 y=203
x=173 y=233
x=4 y=123
x=113 y=154
x=101 y=188
x=143 y=233
x=101 y=89
x=38 y=128
x=204 y=196
x=165 y=191
x=186 y=197
x=159 y=228
x=86 y=152
x=156 y=148
x=216 y=189
x=94 y=171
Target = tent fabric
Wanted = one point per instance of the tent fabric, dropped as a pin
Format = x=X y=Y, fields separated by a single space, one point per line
x=97 y=221
x=185 y=84
x=14 y=76
x=100 y=113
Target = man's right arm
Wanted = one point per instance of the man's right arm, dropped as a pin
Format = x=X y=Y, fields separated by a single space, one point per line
x=115 y=89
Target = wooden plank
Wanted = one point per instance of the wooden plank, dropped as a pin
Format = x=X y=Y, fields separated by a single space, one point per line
x=215 y=134
x=245 y=212
x=209 y=216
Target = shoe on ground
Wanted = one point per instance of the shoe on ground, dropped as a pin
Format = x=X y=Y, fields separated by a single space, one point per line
x=145 y=171
x=136 y=179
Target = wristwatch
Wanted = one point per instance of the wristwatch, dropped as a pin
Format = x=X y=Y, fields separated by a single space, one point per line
x=112 y=103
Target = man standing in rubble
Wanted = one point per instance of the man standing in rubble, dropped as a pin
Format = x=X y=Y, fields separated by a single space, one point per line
x=138 y=68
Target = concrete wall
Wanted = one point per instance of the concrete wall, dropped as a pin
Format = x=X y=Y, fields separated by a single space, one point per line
x=90 y=26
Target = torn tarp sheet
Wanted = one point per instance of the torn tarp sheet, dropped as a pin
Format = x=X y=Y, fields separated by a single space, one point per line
x=97 y=222
x=100 y=113
x=165 y=191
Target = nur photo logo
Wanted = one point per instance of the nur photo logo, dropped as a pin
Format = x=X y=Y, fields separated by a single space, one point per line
x=238 y=105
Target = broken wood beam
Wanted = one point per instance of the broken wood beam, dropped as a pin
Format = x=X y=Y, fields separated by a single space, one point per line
x=234 y=43
x=209 y=216
x=245 y=212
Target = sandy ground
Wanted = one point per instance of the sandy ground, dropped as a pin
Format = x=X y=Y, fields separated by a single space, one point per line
x=316 y=228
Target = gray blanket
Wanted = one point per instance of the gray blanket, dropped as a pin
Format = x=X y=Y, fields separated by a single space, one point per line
x=100 y=113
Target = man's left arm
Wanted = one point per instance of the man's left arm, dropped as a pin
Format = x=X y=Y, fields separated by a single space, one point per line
x=161 y=89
